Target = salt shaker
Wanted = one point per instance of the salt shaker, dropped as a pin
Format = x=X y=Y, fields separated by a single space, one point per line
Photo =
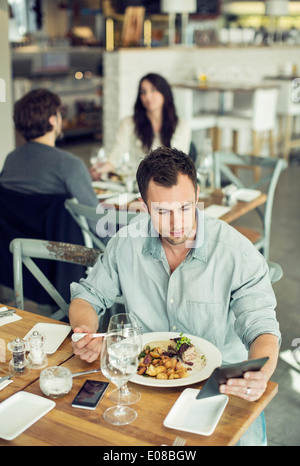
x=37 y=356
x=18 y=362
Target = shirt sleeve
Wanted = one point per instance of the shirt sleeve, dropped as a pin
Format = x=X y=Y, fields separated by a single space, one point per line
x=253 y=300
x=101 y=287
x=79 y=183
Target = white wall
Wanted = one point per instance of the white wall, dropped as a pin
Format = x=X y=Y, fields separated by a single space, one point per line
x=7 y=137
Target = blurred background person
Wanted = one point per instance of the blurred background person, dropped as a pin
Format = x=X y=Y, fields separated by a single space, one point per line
x=38 y=166
x=155 y=123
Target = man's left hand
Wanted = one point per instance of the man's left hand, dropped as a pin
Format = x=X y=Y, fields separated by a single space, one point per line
x=251 y=387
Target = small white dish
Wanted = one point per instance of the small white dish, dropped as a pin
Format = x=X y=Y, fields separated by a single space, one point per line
x=196 y=416
x=216 y=211
x=247 y=195
x=54 y=335
x=20 y=411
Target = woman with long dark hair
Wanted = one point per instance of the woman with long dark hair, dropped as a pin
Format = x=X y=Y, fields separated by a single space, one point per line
x=154 y=124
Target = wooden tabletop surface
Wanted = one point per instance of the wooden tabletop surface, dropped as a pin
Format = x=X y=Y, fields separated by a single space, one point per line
x=65 y=425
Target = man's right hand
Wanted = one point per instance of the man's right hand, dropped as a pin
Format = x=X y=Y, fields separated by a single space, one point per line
x=88 y=348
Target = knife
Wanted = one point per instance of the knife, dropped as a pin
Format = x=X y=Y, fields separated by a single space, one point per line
x=7 y=377
x=7 y=313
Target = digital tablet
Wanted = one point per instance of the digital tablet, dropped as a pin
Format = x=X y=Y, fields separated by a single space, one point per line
x=232 y=371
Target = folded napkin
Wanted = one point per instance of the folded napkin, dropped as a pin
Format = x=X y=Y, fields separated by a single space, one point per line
x=8 y=319
x=216 y=211
x=5 y=383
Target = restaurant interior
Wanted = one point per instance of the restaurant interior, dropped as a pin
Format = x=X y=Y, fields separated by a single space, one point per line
x=234 y=70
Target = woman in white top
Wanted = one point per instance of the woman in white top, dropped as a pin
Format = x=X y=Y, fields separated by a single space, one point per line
x=154 y=123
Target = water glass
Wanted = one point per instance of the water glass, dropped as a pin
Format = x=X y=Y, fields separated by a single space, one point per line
x=119 y=361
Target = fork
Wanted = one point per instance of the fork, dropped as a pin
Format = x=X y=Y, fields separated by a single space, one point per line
x=179 y=442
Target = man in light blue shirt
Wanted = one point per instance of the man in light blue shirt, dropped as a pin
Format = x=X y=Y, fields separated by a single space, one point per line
x=182 y=271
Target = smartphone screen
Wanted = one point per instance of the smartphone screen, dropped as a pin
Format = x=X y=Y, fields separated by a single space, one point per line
x=90 y=394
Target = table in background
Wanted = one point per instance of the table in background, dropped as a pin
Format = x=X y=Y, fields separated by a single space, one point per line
x=222 y=88
x=216 y=197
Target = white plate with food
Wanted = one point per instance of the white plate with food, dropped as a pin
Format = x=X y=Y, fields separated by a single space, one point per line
x=107 y=189
x=197 y=359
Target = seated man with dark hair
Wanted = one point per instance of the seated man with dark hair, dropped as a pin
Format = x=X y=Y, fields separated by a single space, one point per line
x=38 y=166
x=184 y=272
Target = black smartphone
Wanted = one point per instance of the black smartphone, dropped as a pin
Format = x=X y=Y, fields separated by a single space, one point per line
x=232 y=371
x=90 y=394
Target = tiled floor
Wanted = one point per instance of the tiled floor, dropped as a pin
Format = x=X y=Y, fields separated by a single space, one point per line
x=283 y=413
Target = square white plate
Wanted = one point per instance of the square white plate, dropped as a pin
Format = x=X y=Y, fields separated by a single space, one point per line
x=196 y=416
x=247 y=195
x=216 y=211
x=54 y=335
x=20 y=411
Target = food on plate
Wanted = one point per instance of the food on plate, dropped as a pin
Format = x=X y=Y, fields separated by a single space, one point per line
x=169 y=360
x=102 y=191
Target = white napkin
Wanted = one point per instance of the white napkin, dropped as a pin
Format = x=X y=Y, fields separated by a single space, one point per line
x=9 y=319
x=247 y=195
x=5 y=383
x=216 y=211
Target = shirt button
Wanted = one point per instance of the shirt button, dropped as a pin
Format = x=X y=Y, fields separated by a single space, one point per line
x=171 y=301
x=174 y=327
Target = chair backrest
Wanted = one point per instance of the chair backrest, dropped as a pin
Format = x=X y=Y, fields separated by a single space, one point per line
x=271 y=165
x=260 y=106
x=110 y=216
x=289 y=97
x=24 y=250
x=264 y=109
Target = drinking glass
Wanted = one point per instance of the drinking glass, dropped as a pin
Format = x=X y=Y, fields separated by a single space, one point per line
x=205 y=168
x=125 y=323
x=119 y=362
x=97 y=159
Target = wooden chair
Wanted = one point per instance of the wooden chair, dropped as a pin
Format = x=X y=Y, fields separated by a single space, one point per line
x=24 y=250
x=257 y=115
x=185 y=105
x=83 y=214
x=273 y=166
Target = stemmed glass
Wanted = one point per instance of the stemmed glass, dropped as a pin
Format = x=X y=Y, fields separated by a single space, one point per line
x=205 y=168
x=125 y=323
x=98 y=158
x=127 y=171
x=119 y=361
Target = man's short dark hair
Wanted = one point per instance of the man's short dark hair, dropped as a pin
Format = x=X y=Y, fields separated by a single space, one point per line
x=32 y=113
x=164 y=165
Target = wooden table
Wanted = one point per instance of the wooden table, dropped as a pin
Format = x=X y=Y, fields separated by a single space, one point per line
x=69 y=426
x=20 y=329
x=236 y=211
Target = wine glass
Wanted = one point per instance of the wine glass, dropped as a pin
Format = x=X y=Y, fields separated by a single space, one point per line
x=128 y=172
x=98 y=158
x=124 y=323
x=204 y=166
x=119 y=362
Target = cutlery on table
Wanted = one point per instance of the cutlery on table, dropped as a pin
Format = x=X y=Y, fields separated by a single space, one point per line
x=8 y=313
x=76 y=374
x=78 y=336
x=179 y=442
x=3 y=379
